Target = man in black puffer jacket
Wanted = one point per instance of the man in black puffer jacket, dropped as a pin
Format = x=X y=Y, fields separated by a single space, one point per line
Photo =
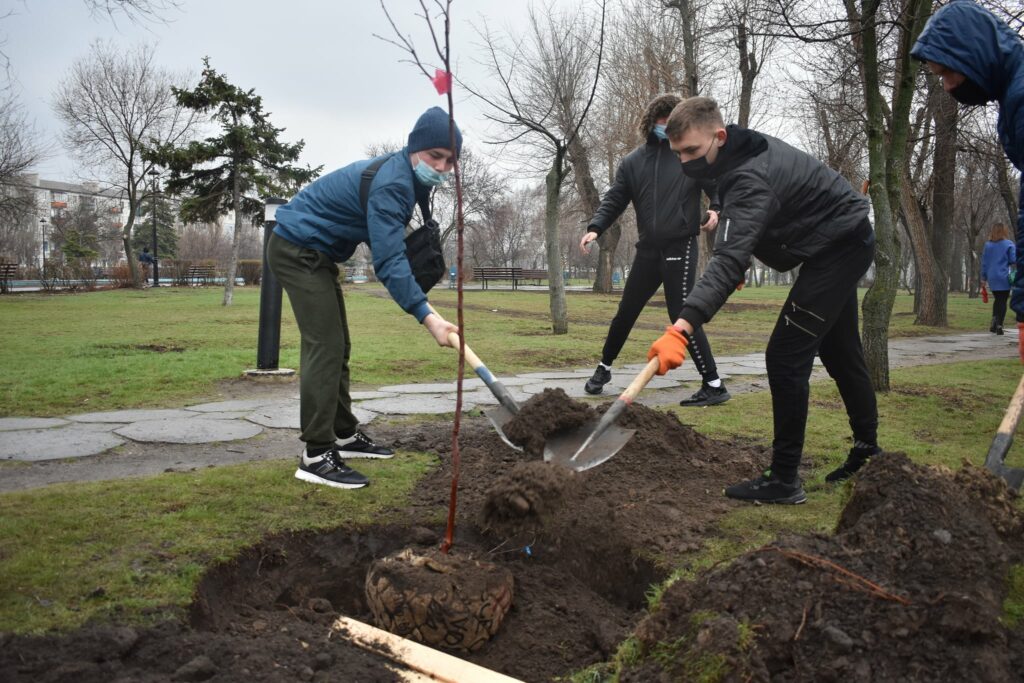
x=667 y=205
x=787 y=209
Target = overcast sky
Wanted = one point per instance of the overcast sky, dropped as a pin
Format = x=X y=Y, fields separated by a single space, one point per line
x=321 y=73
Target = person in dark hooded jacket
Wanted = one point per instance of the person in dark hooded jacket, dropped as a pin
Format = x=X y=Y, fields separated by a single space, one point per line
x=787 y=209
x=980 y=59
x=322 y=226
x=667 y=205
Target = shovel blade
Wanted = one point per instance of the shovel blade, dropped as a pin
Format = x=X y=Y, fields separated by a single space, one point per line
x=499 y=416
x=561 y=448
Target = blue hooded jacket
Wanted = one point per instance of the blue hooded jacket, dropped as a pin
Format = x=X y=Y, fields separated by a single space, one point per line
x=965 y=37
x=326 y=216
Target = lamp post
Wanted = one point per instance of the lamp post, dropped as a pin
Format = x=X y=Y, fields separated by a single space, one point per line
x=156 y=263
x=42 y=231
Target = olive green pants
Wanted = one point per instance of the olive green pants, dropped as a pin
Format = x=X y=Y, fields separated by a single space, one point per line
x=311 y=280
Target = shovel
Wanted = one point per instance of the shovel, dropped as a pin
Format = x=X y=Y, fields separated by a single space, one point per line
x=599 y=440
x=1014 y=476
x=507 y=406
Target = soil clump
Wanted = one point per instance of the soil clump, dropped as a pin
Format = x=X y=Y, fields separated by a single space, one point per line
x=544 y=414
x=910 y=588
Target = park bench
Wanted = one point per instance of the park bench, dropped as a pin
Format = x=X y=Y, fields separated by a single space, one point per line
x=489 y=274
x=198 y=276
x=7 y=273
x=537 y=274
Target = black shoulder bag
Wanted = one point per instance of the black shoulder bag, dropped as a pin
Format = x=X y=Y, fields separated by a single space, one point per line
x=422 y=245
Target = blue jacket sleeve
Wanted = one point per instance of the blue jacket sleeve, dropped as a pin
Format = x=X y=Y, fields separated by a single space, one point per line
x=385 y=222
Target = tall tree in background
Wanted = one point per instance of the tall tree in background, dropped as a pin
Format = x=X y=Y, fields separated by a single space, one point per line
x=880 y=35
x=230 y=172
x=20 y=150
x=547 y=87
x=166 y=235
x=114 y=102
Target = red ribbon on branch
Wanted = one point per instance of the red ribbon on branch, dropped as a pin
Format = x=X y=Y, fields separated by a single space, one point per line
x=442 y=81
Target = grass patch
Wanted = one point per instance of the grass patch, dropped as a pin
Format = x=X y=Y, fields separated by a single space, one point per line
x=120 y=349
x=131 y=548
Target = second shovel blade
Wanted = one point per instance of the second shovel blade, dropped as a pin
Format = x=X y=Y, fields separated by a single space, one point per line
x=562 y=447
x=499 y=415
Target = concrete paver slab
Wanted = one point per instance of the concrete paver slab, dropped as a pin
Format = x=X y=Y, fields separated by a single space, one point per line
x=414 y=405
x=732 y=369
x=190 y=430
x=126 y=416
x=286 y=415
x=10 y=424
x=364 y=395
x=245 y=405
x=73 y=441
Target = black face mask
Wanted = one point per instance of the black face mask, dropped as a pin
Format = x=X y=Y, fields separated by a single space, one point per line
x=969 y=93
x=697 y=168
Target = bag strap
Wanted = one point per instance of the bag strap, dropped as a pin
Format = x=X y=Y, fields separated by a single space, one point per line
x=366 y=179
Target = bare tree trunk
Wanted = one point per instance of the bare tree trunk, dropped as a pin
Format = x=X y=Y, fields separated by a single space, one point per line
x=590 y=199
x=689 y=44
x=943 y=193
x=926 y=275
x=748 y=72
x=1006 y=190
x=229 y=278
x=556 y=285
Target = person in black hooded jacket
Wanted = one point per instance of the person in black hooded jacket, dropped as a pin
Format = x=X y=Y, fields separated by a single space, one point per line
x=667 y=205
x=787 y=209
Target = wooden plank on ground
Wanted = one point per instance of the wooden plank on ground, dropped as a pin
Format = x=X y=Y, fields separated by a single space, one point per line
x=436 y=665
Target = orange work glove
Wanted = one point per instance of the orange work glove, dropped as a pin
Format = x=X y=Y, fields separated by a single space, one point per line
x=1020 y=340
x=670 y=348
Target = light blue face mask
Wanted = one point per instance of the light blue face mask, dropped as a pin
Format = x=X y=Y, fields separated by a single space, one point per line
x=428 y=176
x=659 y=130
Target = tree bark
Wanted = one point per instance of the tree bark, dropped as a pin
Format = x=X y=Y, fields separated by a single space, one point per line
x=934 y=309
x=229 y=278
x=556 y=285
x=926 y=270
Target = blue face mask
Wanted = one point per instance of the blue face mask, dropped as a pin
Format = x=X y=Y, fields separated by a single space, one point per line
x=659 y=130
x=428 y=176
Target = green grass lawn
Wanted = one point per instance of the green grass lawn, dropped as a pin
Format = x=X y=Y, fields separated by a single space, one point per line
x=127 y=349
x=123 y=549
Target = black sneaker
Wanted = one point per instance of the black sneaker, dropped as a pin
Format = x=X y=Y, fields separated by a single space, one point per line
x=707 y=395
x=359 y=445
x=768 y=489
x=595 y=385
x=328 y=469
x=854 y=461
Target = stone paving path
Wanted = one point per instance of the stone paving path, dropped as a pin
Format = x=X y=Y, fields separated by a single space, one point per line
x=84 y=434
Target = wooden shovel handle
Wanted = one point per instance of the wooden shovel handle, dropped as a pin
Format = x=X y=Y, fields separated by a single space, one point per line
x=1012 y=417
x=453 y=339
x=640 y=381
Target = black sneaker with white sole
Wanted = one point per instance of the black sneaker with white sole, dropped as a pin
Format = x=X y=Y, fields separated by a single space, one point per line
x=768 y=489
x=707 y=395
x=359 y=445
x=329 y=469
x=595 y=385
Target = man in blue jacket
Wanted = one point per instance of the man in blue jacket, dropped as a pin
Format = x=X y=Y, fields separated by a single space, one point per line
x=322 y=226
x=980 y=59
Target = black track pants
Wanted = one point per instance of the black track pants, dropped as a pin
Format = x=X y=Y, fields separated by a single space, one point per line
x=999 y=298
x=820 y=317
x=675 y=268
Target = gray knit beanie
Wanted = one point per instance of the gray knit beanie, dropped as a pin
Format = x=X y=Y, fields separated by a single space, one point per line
x=431 y=130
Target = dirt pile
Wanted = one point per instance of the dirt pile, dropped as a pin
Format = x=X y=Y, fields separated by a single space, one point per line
x=582 y=561
x=909 y=588
x=549 y=412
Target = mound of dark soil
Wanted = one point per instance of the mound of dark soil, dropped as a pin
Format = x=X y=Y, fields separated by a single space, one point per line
x=910 y=588
x=544 y=414
x=582 y=560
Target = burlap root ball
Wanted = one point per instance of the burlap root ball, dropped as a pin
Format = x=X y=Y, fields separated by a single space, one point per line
x=439 y=600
